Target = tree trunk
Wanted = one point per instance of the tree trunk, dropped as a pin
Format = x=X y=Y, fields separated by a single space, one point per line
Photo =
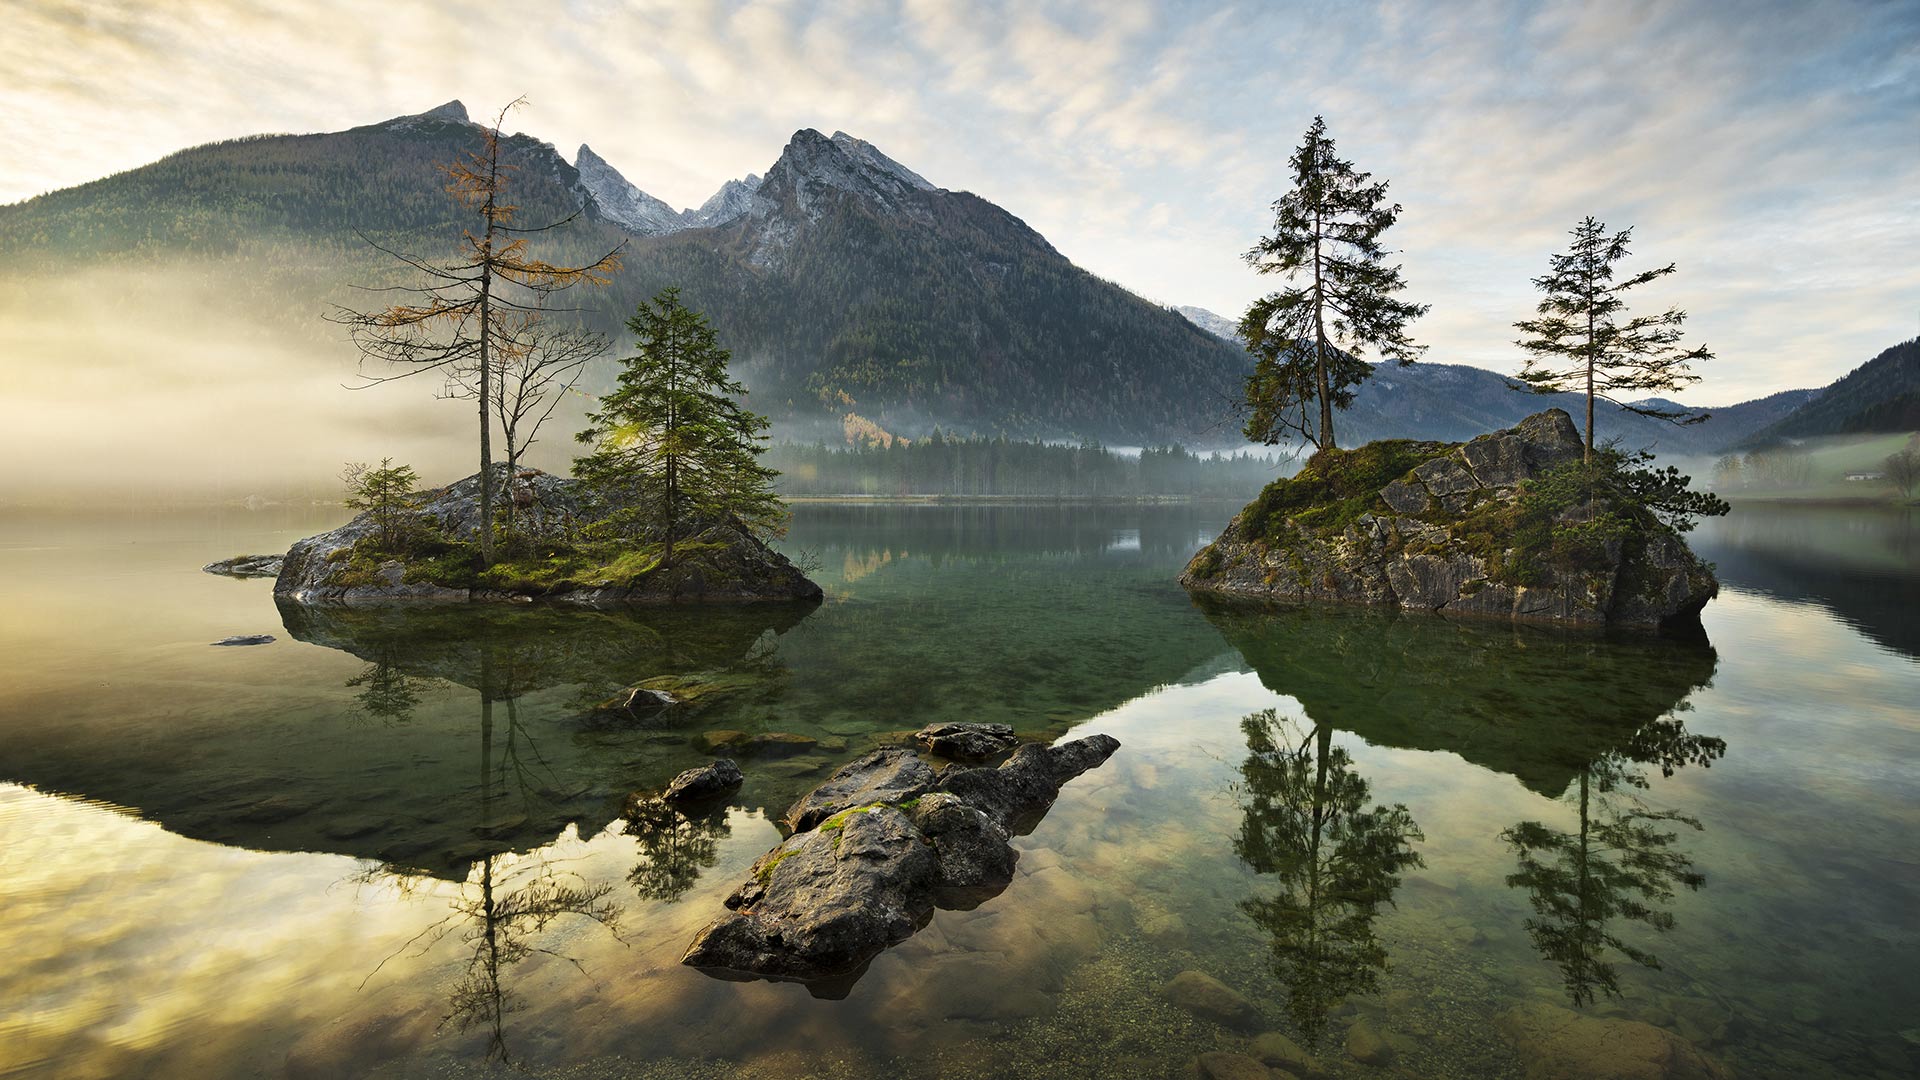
x=1320 y=344
x=486 y=340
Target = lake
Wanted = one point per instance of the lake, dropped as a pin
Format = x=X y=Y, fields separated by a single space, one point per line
x=391 y=843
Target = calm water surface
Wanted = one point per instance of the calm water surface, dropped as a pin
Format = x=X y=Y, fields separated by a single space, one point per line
x=391 y=843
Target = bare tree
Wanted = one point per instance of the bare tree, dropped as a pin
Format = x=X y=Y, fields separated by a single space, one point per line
x=468 y=314
x=1903 y=469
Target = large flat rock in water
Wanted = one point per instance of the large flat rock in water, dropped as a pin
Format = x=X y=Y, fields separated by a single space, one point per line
x=882 y=843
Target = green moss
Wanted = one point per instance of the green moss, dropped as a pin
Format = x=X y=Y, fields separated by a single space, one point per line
x=764 y=875
x=1336 y=487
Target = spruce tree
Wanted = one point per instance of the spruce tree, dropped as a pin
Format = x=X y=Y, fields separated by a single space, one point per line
x=1309 y=337
x=672 y=442
x=1584 y=342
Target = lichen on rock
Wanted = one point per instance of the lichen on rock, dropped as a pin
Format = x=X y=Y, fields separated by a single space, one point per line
x=1506 y=525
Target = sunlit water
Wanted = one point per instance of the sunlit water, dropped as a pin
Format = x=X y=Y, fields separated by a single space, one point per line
x=391 y=844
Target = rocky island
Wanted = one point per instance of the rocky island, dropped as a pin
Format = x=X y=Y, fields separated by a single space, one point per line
x=714 y=561
x=1512 y=524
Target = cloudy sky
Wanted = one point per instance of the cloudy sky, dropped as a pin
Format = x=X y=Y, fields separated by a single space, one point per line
x=1771 y=149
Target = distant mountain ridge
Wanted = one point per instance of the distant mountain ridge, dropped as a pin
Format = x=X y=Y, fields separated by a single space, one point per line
x=1881 y=395
x=1451 y=402
x=843 y=281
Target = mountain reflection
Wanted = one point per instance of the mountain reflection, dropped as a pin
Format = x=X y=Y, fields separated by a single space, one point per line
x=1337 y=860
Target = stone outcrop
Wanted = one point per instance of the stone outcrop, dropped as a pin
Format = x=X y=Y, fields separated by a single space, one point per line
x=710 y=781
x=721 y=561
x=966 y=742
x=1443 y=527
x=246 y=566
x=882 y=843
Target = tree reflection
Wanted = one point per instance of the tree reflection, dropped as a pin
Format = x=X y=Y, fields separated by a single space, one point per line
x=674 y=846
x=386 y=692
x=498 y=913
x=1336 y=860
x=1619 y=864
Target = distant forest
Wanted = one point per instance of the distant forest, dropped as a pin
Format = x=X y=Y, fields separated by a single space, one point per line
x=942 y=465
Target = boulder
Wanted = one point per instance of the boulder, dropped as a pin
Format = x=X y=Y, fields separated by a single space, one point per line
x=633 y=704
x=1368 y=1045
x=876 y=849
x=886 y=775
x=966 y=742
x=757 y=744
x=710 y=781
x=1277 y=1050
x=1556 y=1043
x=246 y=566
x=1438 y=527
x=1210 y=999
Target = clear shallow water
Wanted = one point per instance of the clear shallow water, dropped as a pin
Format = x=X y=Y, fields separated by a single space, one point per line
x=389 y=844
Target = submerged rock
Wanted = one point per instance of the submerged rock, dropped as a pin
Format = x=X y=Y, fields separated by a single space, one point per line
x=1446 y=527
x=721 y=561
x=1556 y=1043
x=1210 y=999
x=717 y=778
x=881 y=844
x=966 y=742
x=246 y=566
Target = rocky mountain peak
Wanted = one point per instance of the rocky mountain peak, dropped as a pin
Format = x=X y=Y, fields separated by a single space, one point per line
x=734 y=198
x=453 y=112
x=814 y=165
x=620 y=201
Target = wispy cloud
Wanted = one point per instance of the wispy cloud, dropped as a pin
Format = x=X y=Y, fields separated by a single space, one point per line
x=1768 y=148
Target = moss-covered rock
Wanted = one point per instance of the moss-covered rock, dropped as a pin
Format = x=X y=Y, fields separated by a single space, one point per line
x=1511 y=524
x=721 y=561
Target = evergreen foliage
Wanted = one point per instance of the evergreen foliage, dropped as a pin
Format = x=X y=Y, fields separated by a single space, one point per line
x=673 y=446
x=1584 y=342
x=386 y=495
x=1309 y=338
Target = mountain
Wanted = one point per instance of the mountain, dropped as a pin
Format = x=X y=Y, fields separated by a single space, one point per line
x=1218 y=325
x=622 y=203
x=842 y=280
x=1452 y=402
x=1881 y=395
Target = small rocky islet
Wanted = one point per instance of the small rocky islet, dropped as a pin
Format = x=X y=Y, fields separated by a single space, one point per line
x=874 y=849
x=719 y=561
x=1458 y=528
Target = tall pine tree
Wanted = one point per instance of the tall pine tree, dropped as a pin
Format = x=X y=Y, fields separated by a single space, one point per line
x=1309 y=337
x=1584 y=343
x=672 y=441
